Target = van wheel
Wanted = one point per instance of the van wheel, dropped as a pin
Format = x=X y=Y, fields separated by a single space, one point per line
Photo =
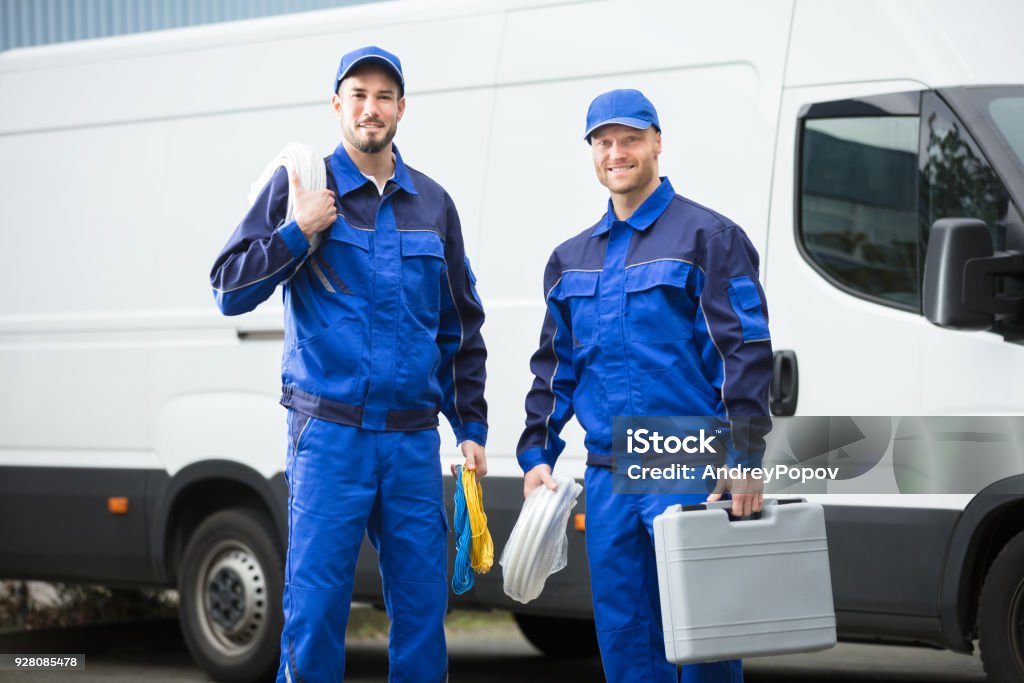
x=1001 y=615
x=229 y=588
x=559 y=637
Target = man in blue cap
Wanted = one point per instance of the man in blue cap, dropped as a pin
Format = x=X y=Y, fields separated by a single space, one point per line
x=382 y=331
x=654 y=310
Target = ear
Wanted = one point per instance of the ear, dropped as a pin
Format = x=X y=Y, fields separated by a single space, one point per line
x=336 y=105
x=657 y=143
x=401 y=109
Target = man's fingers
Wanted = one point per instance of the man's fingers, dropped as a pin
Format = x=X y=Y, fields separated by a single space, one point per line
x=737 y=505
x=720 y=487
x=745 y=504
x=476 y=459
x=293 y=181
x=541 y=474
x=714 y=496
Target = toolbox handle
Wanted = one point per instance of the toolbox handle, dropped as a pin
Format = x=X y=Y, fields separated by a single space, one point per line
x=727 y=506
x=721 y=505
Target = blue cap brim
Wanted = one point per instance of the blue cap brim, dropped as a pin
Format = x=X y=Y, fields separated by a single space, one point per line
x=371 y=59
x=639 y=124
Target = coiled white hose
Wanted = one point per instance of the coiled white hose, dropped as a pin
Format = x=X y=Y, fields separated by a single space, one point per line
x=307 y=165
x=538 y=546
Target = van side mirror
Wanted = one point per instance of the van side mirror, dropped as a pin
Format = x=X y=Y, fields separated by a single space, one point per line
x=962 y=277
x=951 y=243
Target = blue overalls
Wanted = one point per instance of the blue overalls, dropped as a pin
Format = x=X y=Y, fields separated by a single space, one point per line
x=382 y=331
x=660 y=314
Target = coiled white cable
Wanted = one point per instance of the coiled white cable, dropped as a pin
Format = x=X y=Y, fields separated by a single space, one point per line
x=307 y=165
x=538 y=546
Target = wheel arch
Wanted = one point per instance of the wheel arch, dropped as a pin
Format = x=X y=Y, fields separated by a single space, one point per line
x=203 y=488
x=991 y=519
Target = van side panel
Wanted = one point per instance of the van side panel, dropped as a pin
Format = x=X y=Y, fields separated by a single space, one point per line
x=938 y=42
x=888 y=560
x=57 y=526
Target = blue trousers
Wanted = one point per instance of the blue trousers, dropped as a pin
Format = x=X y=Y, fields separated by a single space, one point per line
x=624 y=582
x=344 y=482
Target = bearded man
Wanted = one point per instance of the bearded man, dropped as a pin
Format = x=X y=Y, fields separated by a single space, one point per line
x=382 y=331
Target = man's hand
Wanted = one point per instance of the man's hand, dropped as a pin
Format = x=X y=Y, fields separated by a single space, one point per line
x=476 y=458
x=314 y=211
x=541 y=474
x=747 y=494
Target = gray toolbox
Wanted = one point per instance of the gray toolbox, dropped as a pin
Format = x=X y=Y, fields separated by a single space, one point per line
x=743 y=588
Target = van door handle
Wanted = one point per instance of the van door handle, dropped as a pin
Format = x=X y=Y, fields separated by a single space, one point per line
x=260 y=335
x=785 y=383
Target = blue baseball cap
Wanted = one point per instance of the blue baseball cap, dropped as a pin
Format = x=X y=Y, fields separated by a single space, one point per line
x=628 y=107
x=370 y=54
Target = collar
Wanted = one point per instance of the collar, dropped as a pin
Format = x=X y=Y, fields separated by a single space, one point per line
x=645 y=214
x=380 y=188
x=348 y=177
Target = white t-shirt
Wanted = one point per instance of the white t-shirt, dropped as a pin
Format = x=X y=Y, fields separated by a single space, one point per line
x=380 y=186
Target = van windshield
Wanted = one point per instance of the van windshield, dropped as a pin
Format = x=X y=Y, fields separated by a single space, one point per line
x=995 y=114
x=1007 y=113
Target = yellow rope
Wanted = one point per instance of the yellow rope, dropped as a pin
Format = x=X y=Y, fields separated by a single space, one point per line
x=482 y=550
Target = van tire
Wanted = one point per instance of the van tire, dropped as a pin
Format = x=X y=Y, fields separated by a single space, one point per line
x=1001 y=615
x=559 y=637
x=229 y=587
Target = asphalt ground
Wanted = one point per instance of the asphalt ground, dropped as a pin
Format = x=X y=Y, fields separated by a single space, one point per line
x=482 y=649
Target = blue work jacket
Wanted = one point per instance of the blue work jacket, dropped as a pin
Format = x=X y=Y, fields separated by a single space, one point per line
x=382 y=320
x=659 y=314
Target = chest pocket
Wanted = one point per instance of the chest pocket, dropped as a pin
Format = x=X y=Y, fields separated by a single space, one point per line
x=342 y=263
x=423 y=268
x=659 y=308
x=578 y=292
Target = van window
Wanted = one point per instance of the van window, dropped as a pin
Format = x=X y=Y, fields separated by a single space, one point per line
x=1008 y=114
x=959 y=181
x=858 y=204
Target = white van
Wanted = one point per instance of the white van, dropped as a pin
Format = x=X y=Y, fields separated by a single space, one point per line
x=140 y=437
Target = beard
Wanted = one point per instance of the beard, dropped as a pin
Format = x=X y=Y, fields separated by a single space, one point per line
x=367 y=146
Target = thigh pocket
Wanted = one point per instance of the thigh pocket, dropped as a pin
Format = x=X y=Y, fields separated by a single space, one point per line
x=444 y=521
x=659 y=307
x=297 y=425
x=749 y=308
x=423 y=268
x=577 y=290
